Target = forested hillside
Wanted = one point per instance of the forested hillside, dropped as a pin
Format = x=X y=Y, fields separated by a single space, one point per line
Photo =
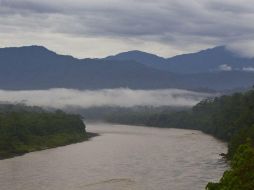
x=24 y=129
x=229 y=118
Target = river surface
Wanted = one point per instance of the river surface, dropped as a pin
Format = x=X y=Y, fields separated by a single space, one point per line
x=121 y=158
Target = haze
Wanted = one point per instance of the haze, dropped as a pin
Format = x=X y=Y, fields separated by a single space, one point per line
x=122 y=97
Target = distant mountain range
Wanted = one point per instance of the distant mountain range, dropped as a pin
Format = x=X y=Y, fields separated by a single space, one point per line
x=210 y=60
x=35 y=67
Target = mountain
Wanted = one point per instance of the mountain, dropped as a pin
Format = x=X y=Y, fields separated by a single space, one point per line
x=210 y=60
x=138 y=56
x=35 y=67
x=214 y=59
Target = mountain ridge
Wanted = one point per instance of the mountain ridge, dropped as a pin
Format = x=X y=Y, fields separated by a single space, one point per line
x=36 y=67
x=208 y=60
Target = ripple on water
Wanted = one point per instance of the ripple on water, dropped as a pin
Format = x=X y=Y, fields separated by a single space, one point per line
x=111 y=184
x=121 y=158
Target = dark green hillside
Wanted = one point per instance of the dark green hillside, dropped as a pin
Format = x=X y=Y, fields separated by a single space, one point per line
x=25 y=130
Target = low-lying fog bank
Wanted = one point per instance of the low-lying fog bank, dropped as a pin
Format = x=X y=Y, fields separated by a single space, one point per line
x=122 y=97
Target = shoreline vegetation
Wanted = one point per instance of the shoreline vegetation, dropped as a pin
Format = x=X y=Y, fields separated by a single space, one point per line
x=87 y=138
x=228 y=118
x=25 y=129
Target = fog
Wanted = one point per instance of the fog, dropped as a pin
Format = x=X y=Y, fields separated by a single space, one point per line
x=122 y=97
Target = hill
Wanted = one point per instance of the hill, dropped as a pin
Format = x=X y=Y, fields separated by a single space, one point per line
x=25 y=129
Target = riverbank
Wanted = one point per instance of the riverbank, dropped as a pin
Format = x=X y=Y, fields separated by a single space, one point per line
x=228 y=118
x=88 y=136
x=25 y=129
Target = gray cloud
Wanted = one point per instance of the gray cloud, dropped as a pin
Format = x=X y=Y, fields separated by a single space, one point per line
x=170 y=26
x=60 y=98
x=225 y=67
x=248 y=69
x=26 y=6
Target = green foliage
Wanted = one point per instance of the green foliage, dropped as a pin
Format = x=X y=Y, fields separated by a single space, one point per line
x=241 y=174
x=26 y=130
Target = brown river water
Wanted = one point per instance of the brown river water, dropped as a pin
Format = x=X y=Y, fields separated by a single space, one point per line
x=121 y=158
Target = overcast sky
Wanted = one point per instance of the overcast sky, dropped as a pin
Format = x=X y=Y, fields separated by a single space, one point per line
x=97 y=28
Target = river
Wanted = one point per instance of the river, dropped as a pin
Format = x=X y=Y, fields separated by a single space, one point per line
x=121 y=158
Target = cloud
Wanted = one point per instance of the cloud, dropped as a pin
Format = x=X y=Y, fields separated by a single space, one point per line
x=248 y=69
x=244 y=48
x=16 y=6
x=61 y=98
x=225 y=67
x=165 y=27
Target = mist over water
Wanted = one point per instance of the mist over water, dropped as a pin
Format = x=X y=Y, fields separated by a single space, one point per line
x=121 y=97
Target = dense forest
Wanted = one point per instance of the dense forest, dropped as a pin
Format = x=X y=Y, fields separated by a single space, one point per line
x=24 y=129
x=229 y=118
